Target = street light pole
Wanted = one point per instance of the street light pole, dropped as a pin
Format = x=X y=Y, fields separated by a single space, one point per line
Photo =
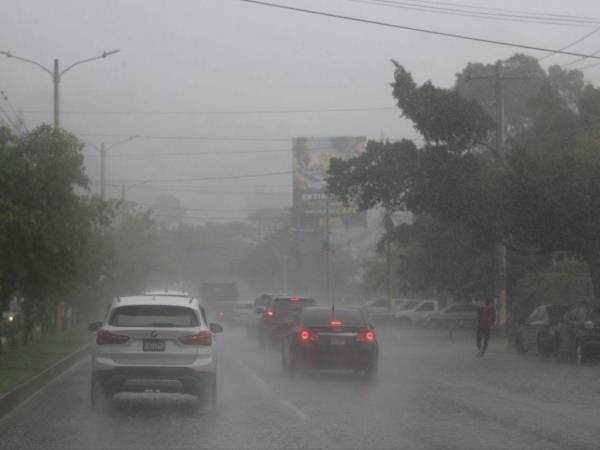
x=56 y=75
x=102 y=179
x=56 y=83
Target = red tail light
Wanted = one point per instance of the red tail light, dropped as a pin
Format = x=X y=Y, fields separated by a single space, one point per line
x=202 y=338
x=221 y=313
x=105 y=337
x=366 y=336
x=269 y=313
x=307 y=335
x=336 y=323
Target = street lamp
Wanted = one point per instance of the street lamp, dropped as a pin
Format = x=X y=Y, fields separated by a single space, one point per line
x=103 y=151
x=57 y=74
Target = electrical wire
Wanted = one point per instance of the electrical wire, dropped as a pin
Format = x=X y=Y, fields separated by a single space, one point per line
x=221 y=112
x=475 y=14
x=419 y=30
x=185 y=138
x=240 y=152
x=176 y=180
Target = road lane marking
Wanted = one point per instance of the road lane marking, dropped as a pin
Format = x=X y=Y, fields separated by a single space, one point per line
x=295 y=409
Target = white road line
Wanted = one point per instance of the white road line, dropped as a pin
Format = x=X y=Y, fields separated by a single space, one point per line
x=296 y=410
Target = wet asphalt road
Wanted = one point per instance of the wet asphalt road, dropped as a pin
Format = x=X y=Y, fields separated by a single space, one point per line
x=431 y=392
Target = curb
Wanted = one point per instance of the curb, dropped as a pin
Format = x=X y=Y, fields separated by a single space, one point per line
x=22 y=392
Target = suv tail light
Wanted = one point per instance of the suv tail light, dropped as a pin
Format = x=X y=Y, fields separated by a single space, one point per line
x=269 y=313
x=202 y=338
x=307 y=335
x=105 y=337
x=366 y=336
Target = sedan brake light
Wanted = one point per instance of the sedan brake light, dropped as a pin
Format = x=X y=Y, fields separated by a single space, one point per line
x=202 y=338
x=307 y=335
x=366 y=336
x=105 y=337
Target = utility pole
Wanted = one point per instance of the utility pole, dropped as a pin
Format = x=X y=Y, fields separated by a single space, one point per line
x=102 y=179
x=56 y=82
x=502 y=263
x=327 y=250
x=499 y=80
x=56 y=75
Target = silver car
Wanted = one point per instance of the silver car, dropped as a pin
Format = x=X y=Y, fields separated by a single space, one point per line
x=154 y=343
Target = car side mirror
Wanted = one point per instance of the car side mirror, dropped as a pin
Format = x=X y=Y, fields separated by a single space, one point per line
x=260 y=309
x=95 y=326
x=215 y=328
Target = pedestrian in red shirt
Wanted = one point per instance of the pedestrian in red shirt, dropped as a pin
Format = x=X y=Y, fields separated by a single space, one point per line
x=486 y=317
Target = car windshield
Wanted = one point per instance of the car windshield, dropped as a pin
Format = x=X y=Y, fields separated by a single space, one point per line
x=154 y=316
x=287 y=305
x=407 y=305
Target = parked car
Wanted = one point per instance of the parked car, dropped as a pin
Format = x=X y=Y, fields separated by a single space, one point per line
x=378 y=309
x=538 y=333
x=277 y=319
x=327 y=338
x=412 y=312
x=455 y=316
x=152 y=342
x=578 y=337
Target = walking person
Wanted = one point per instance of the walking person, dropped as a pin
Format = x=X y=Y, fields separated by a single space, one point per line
x=486 y=316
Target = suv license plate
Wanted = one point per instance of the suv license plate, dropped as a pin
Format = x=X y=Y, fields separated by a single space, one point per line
x=337 y=341
x=154 y=345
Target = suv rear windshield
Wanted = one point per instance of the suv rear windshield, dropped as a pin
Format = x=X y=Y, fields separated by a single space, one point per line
x=291 y=304
x=154 y=316
x=323 y=317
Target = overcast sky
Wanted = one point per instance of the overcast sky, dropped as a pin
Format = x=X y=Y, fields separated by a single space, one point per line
x=226 y=55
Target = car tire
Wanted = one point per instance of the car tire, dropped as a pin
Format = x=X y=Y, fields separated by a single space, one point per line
x=206 y=396
x=579 y=357
x=100 y=399
x=436 y=324
x=543 y=348
x=519 y=346
x=372 y=372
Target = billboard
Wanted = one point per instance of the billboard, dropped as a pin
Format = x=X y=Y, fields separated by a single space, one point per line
x=311 y=156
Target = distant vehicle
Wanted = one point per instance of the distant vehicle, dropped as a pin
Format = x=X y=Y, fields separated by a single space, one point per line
x=412 y=312
x=263 y=301
x=455 y=316
x=578 y=336
x=352 y=301
x=237 y=313
x=378 y=309
x=159 y=343
x=539 y=332
x=322 y=338
x=218 y=297
x=277 y=319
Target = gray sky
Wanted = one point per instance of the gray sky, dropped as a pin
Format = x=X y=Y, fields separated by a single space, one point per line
x=223 y=55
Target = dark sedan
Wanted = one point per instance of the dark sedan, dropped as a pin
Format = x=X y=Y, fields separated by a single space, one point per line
x=327 y=338
x=579 y=333
x=538 y=333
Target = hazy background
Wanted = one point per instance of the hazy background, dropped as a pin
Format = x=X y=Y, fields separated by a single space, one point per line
x=189 y=57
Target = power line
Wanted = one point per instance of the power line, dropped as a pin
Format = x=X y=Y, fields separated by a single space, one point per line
x=234 y=210
x=221 y=112
x=240 y=152
x=419 y=30
x=507 y=10
x=519 y=18
x=186 y=138
x=233 y=177
x=575 y=42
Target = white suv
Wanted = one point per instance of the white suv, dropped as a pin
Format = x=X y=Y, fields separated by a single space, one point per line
x=414 y=311
x=154 y=343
